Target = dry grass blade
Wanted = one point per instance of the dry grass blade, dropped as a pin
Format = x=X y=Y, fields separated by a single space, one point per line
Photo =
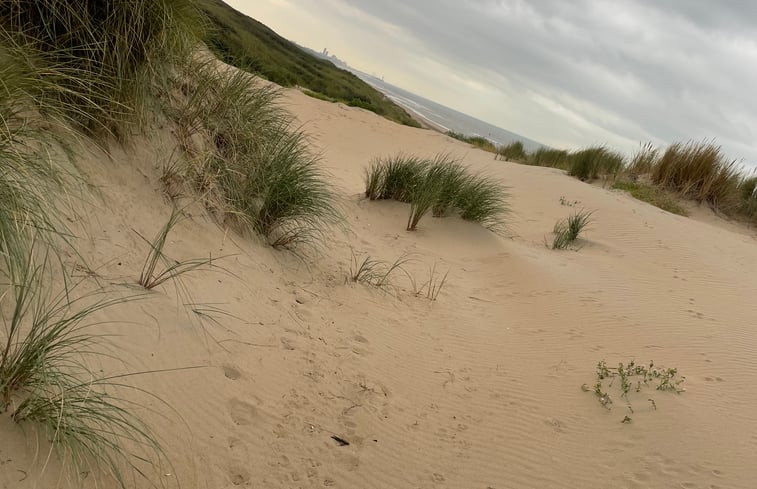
x=374 y=272
x=433 y=286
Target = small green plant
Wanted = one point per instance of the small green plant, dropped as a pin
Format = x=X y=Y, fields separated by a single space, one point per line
x=377 y=273
x=568 y=203
x=150 y=277
x=633 y=378
x=567 y=231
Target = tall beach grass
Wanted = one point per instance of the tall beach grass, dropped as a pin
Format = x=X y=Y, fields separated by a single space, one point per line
x=247 y=160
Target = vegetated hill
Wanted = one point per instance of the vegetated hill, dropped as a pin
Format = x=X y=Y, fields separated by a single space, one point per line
x=246 y=43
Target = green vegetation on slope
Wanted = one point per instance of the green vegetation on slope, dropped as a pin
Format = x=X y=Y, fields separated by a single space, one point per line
x=246 y=43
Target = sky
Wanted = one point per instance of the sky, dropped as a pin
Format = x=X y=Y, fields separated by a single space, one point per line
x=565 y=73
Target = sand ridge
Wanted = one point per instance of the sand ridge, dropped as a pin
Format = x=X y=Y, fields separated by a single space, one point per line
x=479 y=389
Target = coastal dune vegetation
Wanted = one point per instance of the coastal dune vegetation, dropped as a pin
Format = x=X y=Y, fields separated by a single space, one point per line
x=441 y=185
x=97 y=75
x=696 y=171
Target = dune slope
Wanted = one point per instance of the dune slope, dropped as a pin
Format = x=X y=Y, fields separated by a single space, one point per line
x=478 y=389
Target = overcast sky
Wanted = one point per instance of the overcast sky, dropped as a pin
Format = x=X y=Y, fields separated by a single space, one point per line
x=567 y=74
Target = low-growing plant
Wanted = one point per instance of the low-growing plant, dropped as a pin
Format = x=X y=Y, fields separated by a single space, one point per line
x=653 y=195
x=512 y=152
x=595 y=162
x=567 y=231
x=633 y=378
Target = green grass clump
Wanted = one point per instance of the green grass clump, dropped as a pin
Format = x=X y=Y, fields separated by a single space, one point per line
x=567 y=231
x=394 y=177
x=441 y=185
x=247 y=44
x=113 y=52
x=592 y=163
x=512 y=152
x=699 y=171
x=552 y=158
x=478 y=141
x=250 y=164
x=44 y=378
x=652 y=195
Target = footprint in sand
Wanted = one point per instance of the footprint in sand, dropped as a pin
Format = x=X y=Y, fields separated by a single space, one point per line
x=231 y=373
x=238 y=475
x=242 y=413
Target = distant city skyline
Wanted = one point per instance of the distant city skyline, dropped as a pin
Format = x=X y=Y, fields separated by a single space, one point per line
x=569 y=75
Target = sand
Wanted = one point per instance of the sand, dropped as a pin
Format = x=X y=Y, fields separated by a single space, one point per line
x=478 y=389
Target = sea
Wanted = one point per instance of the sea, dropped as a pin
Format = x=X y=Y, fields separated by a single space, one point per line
x=444 y=118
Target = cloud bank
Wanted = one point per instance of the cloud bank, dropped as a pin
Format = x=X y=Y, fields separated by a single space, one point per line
x=567 y=74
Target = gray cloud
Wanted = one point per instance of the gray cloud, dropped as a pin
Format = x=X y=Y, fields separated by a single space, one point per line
x=570 y=72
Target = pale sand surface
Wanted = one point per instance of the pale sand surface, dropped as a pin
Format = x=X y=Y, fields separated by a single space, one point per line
x=480 y=389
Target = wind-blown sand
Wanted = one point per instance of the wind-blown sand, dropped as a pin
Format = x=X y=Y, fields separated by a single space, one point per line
x=480 y=389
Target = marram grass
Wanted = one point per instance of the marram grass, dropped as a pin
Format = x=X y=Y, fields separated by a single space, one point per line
x=45 y=380
x=248 y=161
x=441 y=185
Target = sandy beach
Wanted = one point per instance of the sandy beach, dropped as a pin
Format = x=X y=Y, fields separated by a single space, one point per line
x=481 y=388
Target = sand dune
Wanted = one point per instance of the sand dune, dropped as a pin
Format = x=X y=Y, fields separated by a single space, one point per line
x=479 y=389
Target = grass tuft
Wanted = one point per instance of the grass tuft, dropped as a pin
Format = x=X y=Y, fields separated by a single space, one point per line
x=567 y=231
x=375 y=272
x=512 y=152
x=113 y=52
x=441 y=185
x=552 y=158
x=44 y=378
x=248 y=161
x=595 y=162
x=699 y=171
x=150 y=277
